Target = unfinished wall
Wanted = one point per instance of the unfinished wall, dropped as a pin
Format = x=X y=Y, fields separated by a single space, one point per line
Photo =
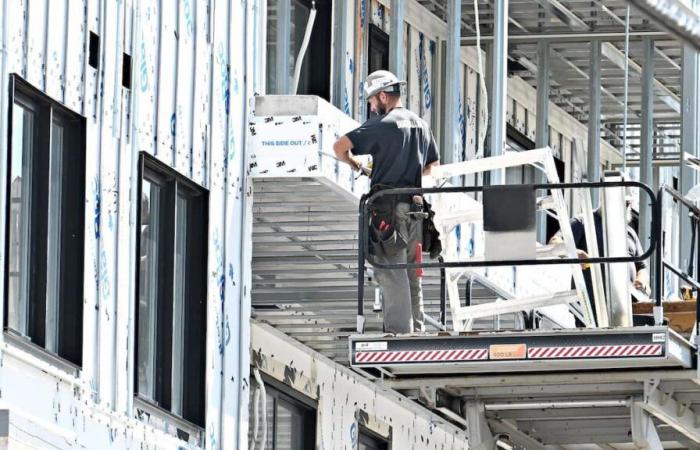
x=346 y=400
x=186 y=106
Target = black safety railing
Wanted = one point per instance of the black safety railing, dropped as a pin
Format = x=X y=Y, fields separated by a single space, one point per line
x=661 y=264
x=364 y=256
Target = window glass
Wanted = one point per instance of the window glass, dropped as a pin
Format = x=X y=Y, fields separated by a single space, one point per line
x=369 y=441
x=284 y=428
x=179 y=305
x=291 y=422
x=148 y=268
x=53 y=287
x=20 y=206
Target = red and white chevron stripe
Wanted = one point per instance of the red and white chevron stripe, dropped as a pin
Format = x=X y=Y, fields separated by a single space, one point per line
x=422 y=356
x=594 y=351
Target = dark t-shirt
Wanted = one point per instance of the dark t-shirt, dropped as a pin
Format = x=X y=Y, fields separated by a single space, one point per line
x=401 y=145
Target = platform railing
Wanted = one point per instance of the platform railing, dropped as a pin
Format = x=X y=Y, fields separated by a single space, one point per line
x=661 y=264
x=364 y=256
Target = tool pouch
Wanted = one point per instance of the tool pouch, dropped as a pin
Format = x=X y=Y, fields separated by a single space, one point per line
x=431 y=236
x=386 y=241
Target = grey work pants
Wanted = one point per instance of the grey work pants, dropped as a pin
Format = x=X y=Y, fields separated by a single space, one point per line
x=401 y=288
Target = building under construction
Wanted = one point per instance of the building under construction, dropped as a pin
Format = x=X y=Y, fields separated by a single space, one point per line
x=186 y=262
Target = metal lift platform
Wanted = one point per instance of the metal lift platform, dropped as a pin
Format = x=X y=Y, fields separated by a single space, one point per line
x=522 y=351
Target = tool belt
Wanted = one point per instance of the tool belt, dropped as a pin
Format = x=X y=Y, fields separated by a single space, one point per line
x=383 y=235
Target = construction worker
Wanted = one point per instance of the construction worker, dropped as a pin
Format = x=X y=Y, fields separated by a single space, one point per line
x=403 y=149
x=638 y=271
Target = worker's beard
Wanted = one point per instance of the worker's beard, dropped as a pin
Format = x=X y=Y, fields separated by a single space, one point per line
x=381 y=107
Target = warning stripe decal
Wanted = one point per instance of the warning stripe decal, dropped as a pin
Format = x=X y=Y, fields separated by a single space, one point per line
x=480 y=354
x=602 y=351
x=422 y=356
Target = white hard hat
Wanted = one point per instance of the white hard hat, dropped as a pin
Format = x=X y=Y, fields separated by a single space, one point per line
x=382 y=81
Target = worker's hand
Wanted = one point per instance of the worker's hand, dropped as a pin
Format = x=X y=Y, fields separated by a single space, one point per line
x=583 y=255
x=355 y=163
x=641 y=285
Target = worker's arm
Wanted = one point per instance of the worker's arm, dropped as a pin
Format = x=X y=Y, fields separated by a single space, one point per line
x=342 y=151
x=427 y=170
x=432 y=155
x=642 y=280
x=576 y=228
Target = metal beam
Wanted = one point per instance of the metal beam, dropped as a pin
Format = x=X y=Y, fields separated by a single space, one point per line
x=667 y=409
x=515 y=434
x=542 y=121
x=585 y=75
x=569 y=37
x=339 y=94
x=480 y=437
x=593 y=169
x=690 y=139
x=499 y=85
x=647 y=139
x=284 y=20
x=452 y=90
x=542 y=112
x=617 y=57
x=397 y=50
x=644 y=433
x=676 y=16
x=621 y=21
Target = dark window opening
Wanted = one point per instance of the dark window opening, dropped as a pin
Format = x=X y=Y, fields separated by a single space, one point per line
x=94 y=51
x=517 y=141
x=290 y=417
x=126 y=70
x=45 y=222
x=371 y=441
x=377 y=51
x=284 y=40
x=553 y=223
x=171 y=313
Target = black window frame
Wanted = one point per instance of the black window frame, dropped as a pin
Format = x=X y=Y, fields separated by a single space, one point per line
x=368 y=437
x=70 y=246
x=194 y=312
x=281 y=392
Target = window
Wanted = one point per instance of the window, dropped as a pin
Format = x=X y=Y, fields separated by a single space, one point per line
x=171 y=313
x=45 y=223
x=518 y=142
x=378 y=54
x=378 y=49
x=286 y=26
x=291 y=418
x=371 y=441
